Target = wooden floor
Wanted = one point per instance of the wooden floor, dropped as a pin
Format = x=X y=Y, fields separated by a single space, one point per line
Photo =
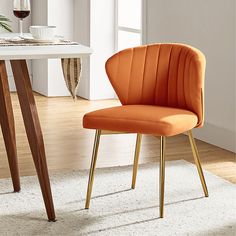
x=69 y=146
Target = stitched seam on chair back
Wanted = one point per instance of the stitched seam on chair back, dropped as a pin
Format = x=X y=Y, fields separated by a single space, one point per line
x=168 y=76
x=144 y=69
x=159 y=52
x=131 y=67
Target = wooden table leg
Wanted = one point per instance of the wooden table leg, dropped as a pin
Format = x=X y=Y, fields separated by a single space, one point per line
x=33 y=130
x=8 y=126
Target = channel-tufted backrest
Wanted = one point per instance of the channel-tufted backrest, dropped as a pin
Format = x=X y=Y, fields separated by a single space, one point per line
x=159 y=74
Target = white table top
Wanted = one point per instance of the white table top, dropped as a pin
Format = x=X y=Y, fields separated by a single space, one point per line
x=42 y=52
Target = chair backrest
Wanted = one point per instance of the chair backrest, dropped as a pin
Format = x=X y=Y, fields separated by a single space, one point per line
x=169 y=75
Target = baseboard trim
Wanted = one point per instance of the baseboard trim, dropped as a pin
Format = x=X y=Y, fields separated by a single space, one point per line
x=217 y=136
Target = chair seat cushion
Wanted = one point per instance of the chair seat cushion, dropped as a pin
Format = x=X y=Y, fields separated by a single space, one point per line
x=144 y=119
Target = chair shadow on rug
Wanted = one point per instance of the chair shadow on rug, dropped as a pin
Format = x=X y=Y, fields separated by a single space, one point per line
x=136 y=210
x=36 y=226
x=144 y=208
x=161 y=89
x=7 y=193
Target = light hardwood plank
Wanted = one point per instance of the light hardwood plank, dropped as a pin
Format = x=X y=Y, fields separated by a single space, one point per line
x=69 y=146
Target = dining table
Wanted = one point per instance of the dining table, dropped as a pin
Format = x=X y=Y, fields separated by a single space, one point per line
x=18 y=54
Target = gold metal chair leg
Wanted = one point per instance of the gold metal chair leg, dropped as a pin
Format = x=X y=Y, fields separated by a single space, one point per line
x=136 y=158
x=92 y=168
x=197 y=162
x=162 y=175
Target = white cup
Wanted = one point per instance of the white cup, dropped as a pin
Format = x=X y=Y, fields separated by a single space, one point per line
x=43 y=32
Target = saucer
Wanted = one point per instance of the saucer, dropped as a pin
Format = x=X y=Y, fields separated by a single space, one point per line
x=30 y=39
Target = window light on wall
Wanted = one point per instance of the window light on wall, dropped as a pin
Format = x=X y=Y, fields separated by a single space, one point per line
x=128 y=23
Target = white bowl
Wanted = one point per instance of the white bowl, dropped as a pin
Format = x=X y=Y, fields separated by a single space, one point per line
x=43 y=32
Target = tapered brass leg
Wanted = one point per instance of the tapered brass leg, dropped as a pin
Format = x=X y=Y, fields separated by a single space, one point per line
x=197 y=162
x=92 y=168
x=162 y=175
x=136 y=158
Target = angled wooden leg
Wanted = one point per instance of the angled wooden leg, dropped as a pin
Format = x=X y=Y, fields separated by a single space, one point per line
x=136 y=158
x=8 y=126
x=197 y=162
x=162 y=176
x=33 y=130
x=92 y=168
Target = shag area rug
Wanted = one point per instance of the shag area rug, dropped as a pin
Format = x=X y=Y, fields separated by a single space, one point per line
x=115 y=209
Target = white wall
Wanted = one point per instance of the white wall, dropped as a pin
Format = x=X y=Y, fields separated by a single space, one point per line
x=102 y=40
x=210 y=26
x=48 y=77
x=39 y=67
x=94 y=27
x=82 y=35
x=63 y=18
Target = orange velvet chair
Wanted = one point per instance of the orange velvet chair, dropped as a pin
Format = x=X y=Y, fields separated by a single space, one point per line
x=161 y=88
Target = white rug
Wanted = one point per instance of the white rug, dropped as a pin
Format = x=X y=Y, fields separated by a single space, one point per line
x=117 y=210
